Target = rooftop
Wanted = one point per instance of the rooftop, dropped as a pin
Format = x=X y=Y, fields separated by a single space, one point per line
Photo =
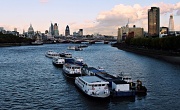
x=93 y=79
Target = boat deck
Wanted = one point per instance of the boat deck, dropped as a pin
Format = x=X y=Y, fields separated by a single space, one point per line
x=93 y=79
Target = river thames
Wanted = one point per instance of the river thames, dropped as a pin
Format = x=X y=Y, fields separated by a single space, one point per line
x=28 y=80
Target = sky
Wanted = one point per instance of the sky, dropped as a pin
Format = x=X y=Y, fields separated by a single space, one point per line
x=93 y=16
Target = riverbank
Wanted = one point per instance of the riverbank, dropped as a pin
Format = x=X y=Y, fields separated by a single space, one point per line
x=169 y=56
x=13 y=44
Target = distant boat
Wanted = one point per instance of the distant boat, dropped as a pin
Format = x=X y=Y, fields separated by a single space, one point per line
x=83 y=45
x=106 y=42
x=71 y=47
x=78 y=48
x=77 y=61
x=66 y=55
x=37 y=43
x=51 y=54
x=58 y=61
x=72 y=70
x=93 y=86
x=80 y=59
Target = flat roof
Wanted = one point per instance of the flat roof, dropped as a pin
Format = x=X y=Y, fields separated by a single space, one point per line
x=94 y=70
x=120 y=82
x=93 y=79
x=71 y=65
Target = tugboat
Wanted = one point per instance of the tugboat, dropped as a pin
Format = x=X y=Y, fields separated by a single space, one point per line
x=140 y=90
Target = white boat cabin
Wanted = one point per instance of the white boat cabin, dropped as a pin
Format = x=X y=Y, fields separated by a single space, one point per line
x=124 y=77
x=93 y=86
x=58 y=60
x=51 y=54
x=120 y=85
x=72 y=68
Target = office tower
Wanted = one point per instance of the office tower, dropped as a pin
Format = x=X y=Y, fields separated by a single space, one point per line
x=67 y=31
x=171 y=23
x=56 y=31
x=80 y=32
x=51 y=30
x=153 y=22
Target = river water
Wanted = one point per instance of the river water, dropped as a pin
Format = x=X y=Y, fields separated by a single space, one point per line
x=28 y=80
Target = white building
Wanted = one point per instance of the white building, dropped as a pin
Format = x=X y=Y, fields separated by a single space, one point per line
x=30 y=31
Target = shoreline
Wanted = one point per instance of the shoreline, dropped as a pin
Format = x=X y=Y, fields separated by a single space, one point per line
x=168 y=56
x=13 y=44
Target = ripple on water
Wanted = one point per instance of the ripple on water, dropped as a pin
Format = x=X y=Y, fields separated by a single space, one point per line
x=28 y=80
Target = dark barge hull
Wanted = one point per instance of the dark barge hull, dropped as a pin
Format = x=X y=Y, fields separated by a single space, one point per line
x=123 y=94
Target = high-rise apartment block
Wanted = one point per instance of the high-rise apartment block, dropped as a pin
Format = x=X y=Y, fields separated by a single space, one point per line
x=154 y=22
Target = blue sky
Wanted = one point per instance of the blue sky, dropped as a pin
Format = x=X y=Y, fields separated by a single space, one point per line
x=94 y=16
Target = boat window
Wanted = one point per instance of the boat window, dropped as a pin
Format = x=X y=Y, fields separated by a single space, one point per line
x=103 y=84
x=95 y=85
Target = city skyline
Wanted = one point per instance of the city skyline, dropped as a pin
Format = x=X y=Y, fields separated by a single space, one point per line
x=92 y=16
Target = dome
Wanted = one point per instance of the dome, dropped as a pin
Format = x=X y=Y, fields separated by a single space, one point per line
x=30 y=30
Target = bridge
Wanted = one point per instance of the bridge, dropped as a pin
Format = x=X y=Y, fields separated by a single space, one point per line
x=85 y=40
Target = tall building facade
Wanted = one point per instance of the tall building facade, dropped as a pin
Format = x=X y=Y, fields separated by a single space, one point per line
x=153 y=21
x=80 y=32
x=171 y=23
x=56 y=31
x=67 y=31
x=51 y=30
x=127 y=31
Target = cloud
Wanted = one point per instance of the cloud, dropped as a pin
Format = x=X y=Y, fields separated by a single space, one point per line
x=109 y=21
x=44 y=1
x=178 y=12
